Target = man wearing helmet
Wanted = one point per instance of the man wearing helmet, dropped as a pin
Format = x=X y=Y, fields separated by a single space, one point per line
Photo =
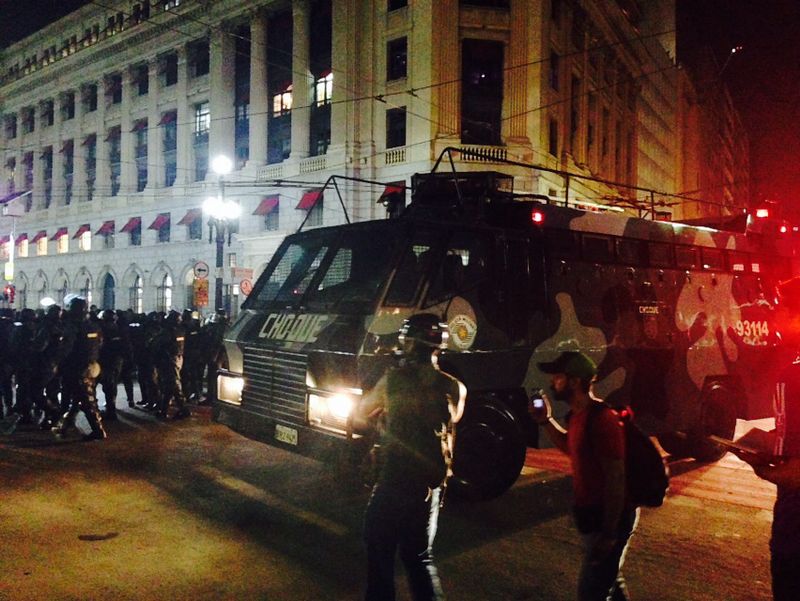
x=82 y=342
x=419 y=403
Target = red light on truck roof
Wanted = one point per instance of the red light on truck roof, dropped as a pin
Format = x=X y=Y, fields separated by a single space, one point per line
x=537 y=217
x=762 y=213
x=784 y=229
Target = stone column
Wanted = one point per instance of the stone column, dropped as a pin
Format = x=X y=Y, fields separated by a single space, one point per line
x=127 y=159
x=57 y=178
x=155 y=163
x=259 y=94
x=102 y=174
x=448 y=67
x=185 y=119
x=516 y=92
x=302 y=81
x=223 y=70
x=78 y=152
x=344 y=53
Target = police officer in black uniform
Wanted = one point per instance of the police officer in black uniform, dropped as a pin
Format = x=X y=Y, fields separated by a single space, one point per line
x=83 y=339
x=145 y=346
x=169 y=361
x=420 y=404
x=192 y=371
x=124 y=319
x=50 y=352
x=6 y=363
x=213 y=333
x=24 y=356
x=111 y=360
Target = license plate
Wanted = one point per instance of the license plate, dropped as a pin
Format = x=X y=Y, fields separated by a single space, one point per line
x=286 y=434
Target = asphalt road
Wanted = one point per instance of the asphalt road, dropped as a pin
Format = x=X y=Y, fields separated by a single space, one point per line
x=189 y=510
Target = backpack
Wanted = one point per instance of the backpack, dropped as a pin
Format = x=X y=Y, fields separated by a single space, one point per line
x=646 y=473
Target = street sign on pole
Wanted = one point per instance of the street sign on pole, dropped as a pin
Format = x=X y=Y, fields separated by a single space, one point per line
x=201 y=270
x=246 y=287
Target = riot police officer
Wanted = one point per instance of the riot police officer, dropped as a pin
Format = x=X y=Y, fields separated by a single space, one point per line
x=213 y=333
x=50 y=352
x=124 y=320
x=420 y=404
x=169 y=361
x=192 y=371
x=111 y=360
x=6 y=365
x=24 y=356
x=83 y=339
x=145 y=344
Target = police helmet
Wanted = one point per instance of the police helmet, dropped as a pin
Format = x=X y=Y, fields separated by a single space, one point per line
x=75 y=304
x=426 y=329
x=106 y=315
x=173 y=317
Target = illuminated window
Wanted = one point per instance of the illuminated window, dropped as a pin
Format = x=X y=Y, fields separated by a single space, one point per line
x=282 y=102
x=164 y=294
x=323 y=90
x=85 y=241
x=62 y=244
x=136 y=295
x=41 y=246
x=22 y=249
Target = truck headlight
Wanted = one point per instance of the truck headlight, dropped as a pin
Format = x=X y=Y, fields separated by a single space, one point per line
x=229 y=387
x=331 y=410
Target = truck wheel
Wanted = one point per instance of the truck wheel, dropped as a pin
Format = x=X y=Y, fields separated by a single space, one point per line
x=717 y=416
x=490 y=451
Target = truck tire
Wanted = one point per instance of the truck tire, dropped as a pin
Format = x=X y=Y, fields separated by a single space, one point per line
x=490 y=450
x=717 y=416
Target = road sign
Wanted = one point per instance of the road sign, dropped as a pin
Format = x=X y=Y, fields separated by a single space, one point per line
x=200 y=293
x=201 y=270
x=246 y=287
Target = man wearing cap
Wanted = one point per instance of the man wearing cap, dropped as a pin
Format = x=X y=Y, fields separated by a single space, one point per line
x=595 y=443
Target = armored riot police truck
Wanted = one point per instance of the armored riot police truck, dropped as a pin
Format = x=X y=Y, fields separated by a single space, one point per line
x=678 y=318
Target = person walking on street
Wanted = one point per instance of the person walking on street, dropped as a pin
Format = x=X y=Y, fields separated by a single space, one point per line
x=82 y=339
x=783 y=444
x=420 y=404
x=595 y=443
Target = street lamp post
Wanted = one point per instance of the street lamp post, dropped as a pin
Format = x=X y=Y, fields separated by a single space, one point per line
x=221 y=214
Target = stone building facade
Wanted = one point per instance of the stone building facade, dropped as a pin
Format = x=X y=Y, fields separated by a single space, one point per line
x=111 y=116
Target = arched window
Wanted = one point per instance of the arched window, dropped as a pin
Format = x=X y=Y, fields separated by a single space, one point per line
x=164 y=294
x=86 y=290
x=136 y=295
x=108 y=292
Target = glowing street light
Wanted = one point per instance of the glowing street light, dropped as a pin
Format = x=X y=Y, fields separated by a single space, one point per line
x=221 y=216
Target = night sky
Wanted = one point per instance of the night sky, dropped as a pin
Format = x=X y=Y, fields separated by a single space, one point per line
x=764 y=78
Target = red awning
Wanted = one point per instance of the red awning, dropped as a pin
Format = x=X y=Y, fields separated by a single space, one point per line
x=66 y=146
x=4 y=239
x=106 y=229
x=159 y=222
x=21 y=238
x=132 y=224
x=389 y=190
x=191 y=216
x=267 y=204
x=168 y=117
x=139 y=125
x=39 y=236
x=113 y=133
x=62 y=231
x=90 y=139
x=81 y=231
x=309 y=199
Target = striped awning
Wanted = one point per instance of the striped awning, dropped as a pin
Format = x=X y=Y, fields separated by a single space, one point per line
x=81 y=231
x=133 y=223
x=191 y=216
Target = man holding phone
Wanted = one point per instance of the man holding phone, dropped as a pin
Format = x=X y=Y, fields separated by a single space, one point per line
x=597 y=457
x=783 y=444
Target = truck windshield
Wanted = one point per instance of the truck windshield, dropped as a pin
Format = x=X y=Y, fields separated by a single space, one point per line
x=335 y=271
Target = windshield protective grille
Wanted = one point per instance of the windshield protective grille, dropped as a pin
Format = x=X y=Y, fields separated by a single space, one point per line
x=275 y=386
